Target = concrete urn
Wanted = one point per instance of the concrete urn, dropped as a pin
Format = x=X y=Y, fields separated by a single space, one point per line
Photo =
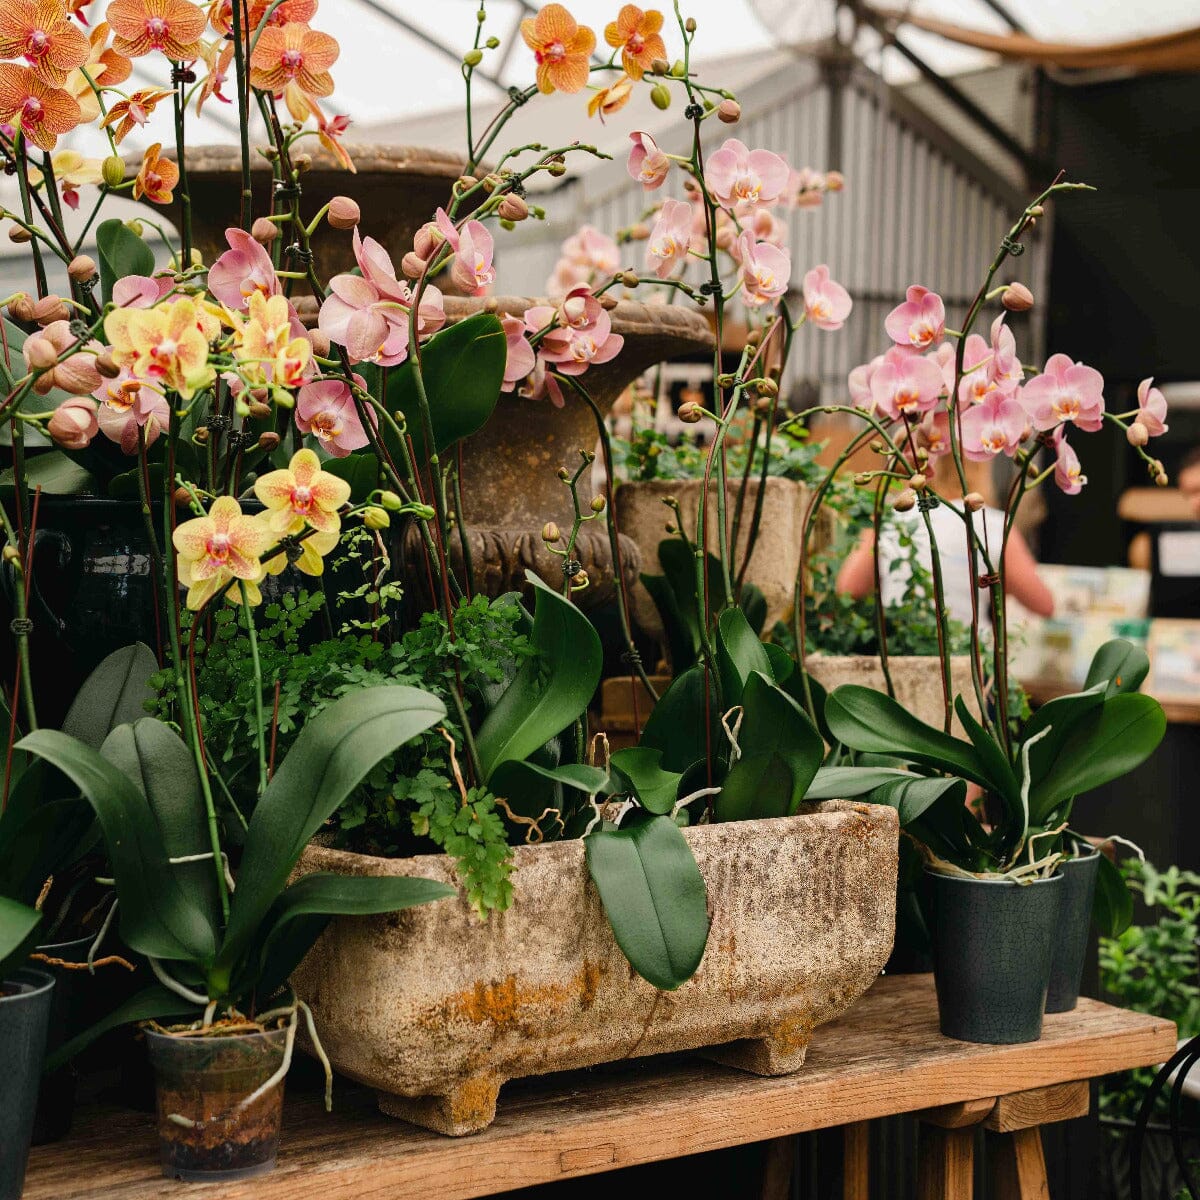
x=436 y=1009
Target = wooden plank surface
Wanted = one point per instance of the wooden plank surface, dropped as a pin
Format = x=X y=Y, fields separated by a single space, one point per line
x=885 y=1056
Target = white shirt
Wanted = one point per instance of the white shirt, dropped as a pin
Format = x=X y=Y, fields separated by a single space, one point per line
x=950 y=531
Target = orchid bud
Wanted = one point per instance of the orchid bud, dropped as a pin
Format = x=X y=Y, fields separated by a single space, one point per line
x=135 y=226
x=264 y=231
x=638 y=233
x=81 y=268
x=862 y=478
x=766 y=387
x=182 y=497
x=49 y=309
x=878 y=447
x=835 y=181
x=268 y=441
x=301 y=162
x=413 y=265
x=1036 y=210
x=493 y=43
x=579 y=581
x=201 y=434
x=464 y=183
x=917 y=482
x=492 y=181
x=557 y=168
x=12 y=556
x=512 y=208
x=427 y=241
x=19 y=234
x=78 y=375
x=598 y=504
x=20 y=307
x=319 y=342
x=256 y=410
x=375 y=518
x=659 y=66
x=473 y=58
x=1017 y=298
x=628 y=279
x=690 y=25
x=39 y=352
x=973 y=501
x=660 y=96
x=550 y=533
x=343 y=213
x=112 y=171
x=73 y=423
x=391 y=501
x=1137 y=434
x=729 y=112
x=107 y=365
x=690 y=412
x=1161 y=479
x=905 y=501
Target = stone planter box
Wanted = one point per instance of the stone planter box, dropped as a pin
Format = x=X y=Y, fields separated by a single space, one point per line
x=642 y=516
x=436 y=1009
x=916 y=678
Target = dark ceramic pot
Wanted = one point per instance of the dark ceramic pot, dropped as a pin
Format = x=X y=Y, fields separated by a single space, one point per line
x=1074 y=925
x=993 y=941
x=24 y=1018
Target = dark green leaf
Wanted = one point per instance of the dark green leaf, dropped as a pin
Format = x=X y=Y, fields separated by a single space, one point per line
x=1112 y=905
x=654 y=897
x=639 y=770
x=157 y=916
x=914 y=795
x=360 y=471
x=995 y=761
x=121 y=253
x=19 y=926
x=463 y=368
x=676 y=724
x=551 y=689
x=39 y=835
x=783 y=666
x=682 y=643
x=54 y=473
x=739 y=655
x=781 y=752
x=332 y=755
x=1120 y=664
x=754 y=604
x=872 y=722
x=849 y=783
x=113 y=694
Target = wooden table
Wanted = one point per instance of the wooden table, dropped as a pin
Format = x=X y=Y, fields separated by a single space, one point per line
x=884 y=1057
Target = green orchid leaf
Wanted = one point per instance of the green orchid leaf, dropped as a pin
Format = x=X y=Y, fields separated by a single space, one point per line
x=874 y=723
x=676 y=725
x=162 y=768
x=682 y=635
x=639 y=769
x=54 y=472
x=753 y=603
x=360 y=471
x=463 y=368
x=1121 y=665
x=158 y=917
x=781 y=752
x=550 y=690
x=39 y=835
x=739 y=655
x=115 y=693
x=654 y=897
x=783 y=665
x=849 y=783
x=121 y=253
x=1112 y=904
x=19 y=925
x=301 y=913
x=914 y=795
x=531 y=788
x=995 y=761
x=333 y=754
x=1105 y=745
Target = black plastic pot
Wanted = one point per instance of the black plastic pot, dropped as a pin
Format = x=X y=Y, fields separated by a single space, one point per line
x=206 y=1131
x=1074 y=925
x=25 y=1002
x=993 y=941
x=72 y=990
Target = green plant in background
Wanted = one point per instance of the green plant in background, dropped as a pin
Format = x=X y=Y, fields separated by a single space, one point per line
x=1152 y=967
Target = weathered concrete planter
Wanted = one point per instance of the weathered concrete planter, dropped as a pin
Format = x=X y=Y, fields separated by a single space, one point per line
x=916 y=678
x=436 y=1009
x=642 y=516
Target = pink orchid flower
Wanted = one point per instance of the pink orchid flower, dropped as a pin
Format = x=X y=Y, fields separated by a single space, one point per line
x=764 y=272
x=127 y=404
x=827 y=303
x=73 y=423
x=918 y=323
x=326 y=409
x=1152 y=408
x=521 y=359
x=141 y=291
x=943 y=355
x=740 y=178
x=1006 y=369
x=647 y=163
x=1067 y=471
x=859 y=383
x=994 y=426
x=581 y=336
x=761 y=222
x=933 y=433
x=473 y=250
x=369 y=314
x=245 y=268
x=1065 y=391
x=668 y=244
x=905 y=384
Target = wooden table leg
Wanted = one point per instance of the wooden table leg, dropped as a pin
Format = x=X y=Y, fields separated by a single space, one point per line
x=1017 y=1165
x=945 y=1163
x=856 y=1161
x=779 y=1154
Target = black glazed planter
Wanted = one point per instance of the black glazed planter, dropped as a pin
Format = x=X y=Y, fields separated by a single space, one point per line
x=24 y=1019
x=993 y=941
x=1074 y=925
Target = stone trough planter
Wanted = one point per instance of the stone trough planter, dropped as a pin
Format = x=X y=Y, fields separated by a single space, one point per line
x=436 y=1009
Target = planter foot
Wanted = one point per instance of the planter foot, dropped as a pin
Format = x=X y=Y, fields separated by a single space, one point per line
x=469 y=1106
x=779 y=1052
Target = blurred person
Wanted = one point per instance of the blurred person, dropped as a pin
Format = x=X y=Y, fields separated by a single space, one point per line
x=857 y=575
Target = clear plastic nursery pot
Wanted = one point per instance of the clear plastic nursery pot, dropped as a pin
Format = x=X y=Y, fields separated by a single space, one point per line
x=206 y=1130
x=25 y=1001
x=993 y=944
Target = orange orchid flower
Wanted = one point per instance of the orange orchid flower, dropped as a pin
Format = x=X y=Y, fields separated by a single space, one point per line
x=329 y=129
x=562 y=48
x=104 y=68
x=156 y=177
x=172 y=26
x=611 y=99
x=40 y=32
x=43 y=112
x=217 y=57
x=128 y=114
x=636 y=34
x=293 y=53
x=220 y=14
